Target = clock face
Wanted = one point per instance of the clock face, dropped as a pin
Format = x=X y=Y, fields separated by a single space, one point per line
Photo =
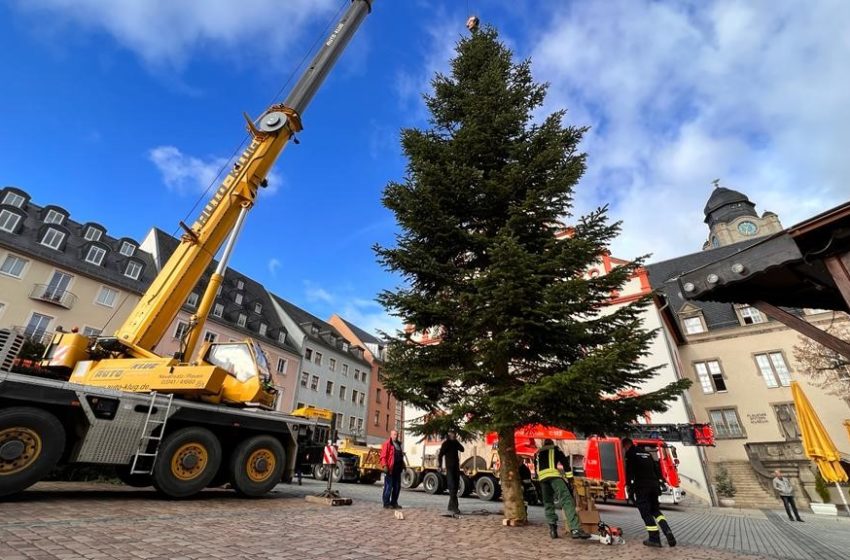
x=747 y=228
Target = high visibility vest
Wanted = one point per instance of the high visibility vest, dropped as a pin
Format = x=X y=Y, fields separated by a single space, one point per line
x=552 y=471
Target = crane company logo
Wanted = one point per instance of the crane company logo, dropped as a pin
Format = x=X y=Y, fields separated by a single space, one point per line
x=333 y=36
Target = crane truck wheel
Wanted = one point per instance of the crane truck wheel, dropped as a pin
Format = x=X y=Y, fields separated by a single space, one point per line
x=319 y=471
x=31 y=443
x=464 y=485
x=487 y=488
x=256 y=466
x=187 y=462
x=433 y=483
x=410 y=478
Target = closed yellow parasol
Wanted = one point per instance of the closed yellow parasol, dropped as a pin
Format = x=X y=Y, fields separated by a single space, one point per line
x=817 y=444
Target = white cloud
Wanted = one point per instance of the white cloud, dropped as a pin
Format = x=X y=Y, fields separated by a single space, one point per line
x=370 y=316
x=274 y=265
x=316 y=293
x=680 y=94
x=187 y=174
x=165 y=32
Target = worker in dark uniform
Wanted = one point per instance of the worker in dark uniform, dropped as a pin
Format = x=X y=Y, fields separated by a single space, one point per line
x=450 y=456
x=555 y=490
x=643 y=477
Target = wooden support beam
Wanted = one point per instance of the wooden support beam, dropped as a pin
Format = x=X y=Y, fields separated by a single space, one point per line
x=839 y=267
x=804 y=327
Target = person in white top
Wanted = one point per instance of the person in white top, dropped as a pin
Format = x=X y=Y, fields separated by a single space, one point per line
x=786 y=491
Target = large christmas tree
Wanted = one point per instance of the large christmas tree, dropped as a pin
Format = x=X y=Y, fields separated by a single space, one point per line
x=525 y=336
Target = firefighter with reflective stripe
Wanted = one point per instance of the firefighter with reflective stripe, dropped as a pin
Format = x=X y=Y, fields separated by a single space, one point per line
x=556 y=489
x=643 y=477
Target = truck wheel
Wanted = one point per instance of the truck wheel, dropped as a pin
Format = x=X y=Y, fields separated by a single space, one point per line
x=487 y=488
x=31 y=443
x=319 y=471
x=464 y=486
x=256 y=466
x=433 y=483
x=410 y=478
x=337 y=472
x=133 y=480
x=187 y=462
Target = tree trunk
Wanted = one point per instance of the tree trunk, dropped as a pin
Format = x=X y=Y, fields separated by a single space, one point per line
x=512 y=495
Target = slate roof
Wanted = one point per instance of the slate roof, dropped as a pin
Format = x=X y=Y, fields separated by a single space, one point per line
x=721 y=196
x=364 y=336
x=326 y=330
x=252 y=292
x=30 y=230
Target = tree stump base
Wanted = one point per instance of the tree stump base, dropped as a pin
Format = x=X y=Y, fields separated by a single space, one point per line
x=514 y=522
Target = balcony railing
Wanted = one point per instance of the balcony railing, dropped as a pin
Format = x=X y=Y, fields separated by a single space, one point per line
x=39 y=336
x=50 y=294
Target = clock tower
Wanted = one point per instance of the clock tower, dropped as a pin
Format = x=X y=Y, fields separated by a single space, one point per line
x=731 y=218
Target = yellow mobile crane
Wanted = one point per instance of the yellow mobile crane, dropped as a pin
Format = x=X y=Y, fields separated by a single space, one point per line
x=118 y=406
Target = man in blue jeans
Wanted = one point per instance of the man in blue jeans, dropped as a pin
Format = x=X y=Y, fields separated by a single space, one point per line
x=392 y=461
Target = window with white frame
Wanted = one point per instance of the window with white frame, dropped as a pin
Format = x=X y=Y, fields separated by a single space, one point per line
x=92 y=234
x=192 y=301
x=13 y=266
x=54 y=217
x=13 y=199
x=359 y=425
x=751 y=315
x=305 y=378
x=342 y=392
x=281 y=366
x=329 y=388
x=340 y=418
x=693 y=325
x=710 y=376
x=210 y=336
x=238 y=299
x=242 y=319
x=354 y=396
x=351 y=423
x=218 y=310
x=127 y=249
x=377 y=417
x=181 y=330
x=53 y=238
x=773 y=369
x=345 y=369
x=37 y=326
x=9 y=221
x=107 y=296
x=726 y=423
x=314 y=383
x=133 y=270
x=332 y=364
x=308 y=354
x=258 y=307
x=95 y=255
x=240 y=285
x=361 y=398
x=263 y=329
x=356 y=374
x=91 y=331
x=317 y=358
x=281 y=336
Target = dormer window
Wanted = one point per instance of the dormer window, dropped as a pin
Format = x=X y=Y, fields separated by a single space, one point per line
x=95 y=255
x=345 y=346
x=127 y=249
x=9 y=221
x=240 y=285
x=258 y=308
x=92 y=234
x=54 y=217
x=242 y=320
x=750 y=315
x=314 y=329
x=218 y=310
x=192 y=301
x=263 y=328
x=14 y=199
x=133 y=270
x=281 y=336
x=53 y=238
x=238 y=299
x=693 y=325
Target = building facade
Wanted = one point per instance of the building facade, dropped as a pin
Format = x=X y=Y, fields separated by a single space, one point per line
x=384 y=412
x=742 y=364
x=334 y=373
x=58 y=273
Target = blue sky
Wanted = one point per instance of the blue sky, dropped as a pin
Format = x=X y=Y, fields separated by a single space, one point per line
x=121 y=110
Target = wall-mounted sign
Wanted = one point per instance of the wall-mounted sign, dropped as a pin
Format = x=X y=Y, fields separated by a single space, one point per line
x=757 y=418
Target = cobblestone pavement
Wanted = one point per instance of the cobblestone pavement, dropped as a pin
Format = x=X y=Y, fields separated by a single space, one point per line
x=88 y=521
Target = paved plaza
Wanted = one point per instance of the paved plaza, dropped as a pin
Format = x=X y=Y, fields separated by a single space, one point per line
x=100 y=521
